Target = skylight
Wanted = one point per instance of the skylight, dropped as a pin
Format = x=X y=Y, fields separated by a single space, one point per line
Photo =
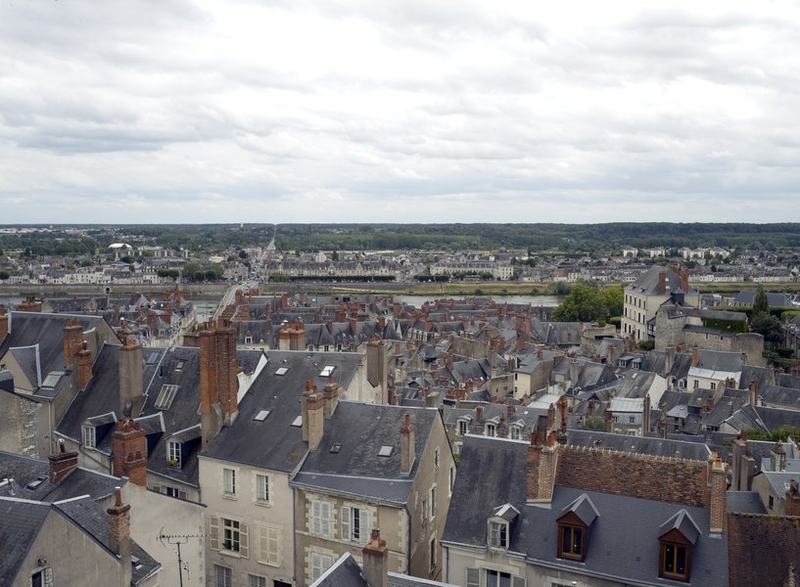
x=152 y=358
x=261 y=415
x=179 y=365
x=385 y=451
x=326 y=372
x=336 y=448
x=282 y=371
x=298 y=422
x=165 y=396
x=52 y=379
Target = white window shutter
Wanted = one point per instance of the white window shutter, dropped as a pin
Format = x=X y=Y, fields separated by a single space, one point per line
x=244 y=540
x=346 y=532
x=214 y=533
x=274 y=545
x=473 y=578
x=364 y=527
x=263 y=544
x=326 y=518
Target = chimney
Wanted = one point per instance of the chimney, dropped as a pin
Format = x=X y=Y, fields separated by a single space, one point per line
x=777 y=458
x=316 y=418
x=376 y=561
x=408 y=450
x=119 y=535
x=62 y=464
x=209 y=424
x=662 y=283
x=718 y=501
x=792 y=499
x=754 y=392
x=510 y=412
x=479 y=414
x=330 y=395
x=685 y=280
x=520 y=346
x=669 y=360
x=695 y=355
x=227 y=371
x=377 y=364
x=573 y=370
x=562 y=409
x=646 y=415
x=590 y=409
x=85 y=364
x=743 y=465
x=3 y=322
x=129 y=452
x=608 y=420
x=542 y=462
x=73 y=341
x=131 y=388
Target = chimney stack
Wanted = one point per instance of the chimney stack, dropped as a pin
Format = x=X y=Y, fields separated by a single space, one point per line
x=376 y=561
x=331 y=396
x=62 y=464
x=718 y=501
x=73 y=341
x=85 y=364
x=119 y=535
x=542 y=462
x=408 y=450
x=792 y=499
x=669 y=360
x=129 y=452
x=316 y=418
x=662 y=283
x=131 y=387
x=646 y=415
x=695 y=355
x=685 y=280
x=3 y=322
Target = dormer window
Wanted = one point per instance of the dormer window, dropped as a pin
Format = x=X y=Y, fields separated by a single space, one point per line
x=174 y=453
x=89 y=436
x=490 y=430
x=498 y=528
x=678 y=536
x=515 y=432
x=463 y=425
x=573 y=528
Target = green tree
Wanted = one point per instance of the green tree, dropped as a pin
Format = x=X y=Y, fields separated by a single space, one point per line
x=769 y=327
x=4 y=274
x=760 y=302
x=587 y=302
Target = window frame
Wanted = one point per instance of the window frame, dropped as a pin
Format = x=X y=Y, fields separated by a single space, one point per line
x=321 y=520
x=576 y=550
x=262 y=493
x=174 y=452
x=354 y=524
x=89 y=436
x=497 y=534
x=228 y=482
x=490 y=430
x=226 y=576
x=463 y=427
x=664 y=559
x=318 y=565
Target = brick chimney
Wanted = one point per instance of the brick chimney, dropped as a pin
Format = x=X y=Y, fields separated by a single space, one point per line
x=131 y=387
x=646 y=415
x=73 y=341
x=330 y=394
x=316 y=419
x=62 y=464
x=376 y=560
x=792 y=499
x=542 y=462
x=408 y=449
x=685 y=280
x=662 y=283
x=608 y=421
x=129 y=452
x=85 y=364
x=695 y=355
x=218 y=379
x=479 y=414
x=777 y=458
x=119 y=535
x=718 y=499
x=3 y=322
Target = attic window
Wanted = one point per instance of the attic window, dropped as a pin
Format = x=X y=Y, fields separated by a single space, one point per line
x=179 y=365
x=326 y=372
x=261 y=415
x=36 y=482
x=282 y=371
x=335 y=448
x=165 y=396
x=385 y=451
x=152 y=358
x=52 y=379
x=298 y=422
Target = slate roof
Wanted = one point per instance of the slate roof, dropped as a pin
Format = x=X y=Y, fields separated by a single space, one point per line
x=745 y=502
x=647 y=282
x=346 y=572
x=31 y=480
x=274 y=443
x=491 y=473
x=20 y=522
x=622 y=545
x=360 y=430
x=650 y=445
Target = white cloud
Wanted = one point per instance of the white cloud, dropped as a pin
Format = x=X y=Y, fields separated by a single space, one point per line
x=415 y=111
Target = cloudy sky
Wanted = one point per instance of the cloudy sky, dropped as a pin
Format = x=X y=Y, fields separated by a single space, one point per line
x=187 y=111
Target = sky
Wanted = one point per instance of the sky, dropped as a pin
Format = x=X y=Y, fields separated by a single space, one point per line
x=410 y=111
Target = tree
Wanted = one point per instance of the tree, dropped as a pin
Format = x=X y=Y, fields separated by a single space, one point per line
x=760 y=302
x=586 y=302
x=769 y=327
x=4 y=274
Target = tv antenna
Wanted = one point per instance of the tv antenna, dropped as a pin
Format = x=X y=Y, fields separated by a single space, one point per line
x=176 y=540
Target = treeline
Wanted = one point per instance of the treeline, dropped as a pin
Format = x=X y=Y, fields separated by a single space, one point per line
x=535 y=238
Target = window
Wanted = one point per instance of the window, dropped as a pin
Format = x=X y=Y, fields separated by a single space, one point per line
x=462 y=427
x=452 y=478
x=42 y=578
x=491 y=430
x=234 y=536
x=262 y=489
x=433 y=502
x=319 y=564
x=497 y=579
x=321 y=518
x=424 y=512
x=89 y=436
x=355 y=524
x=674 y=561
x=515 y=433
x=498 y=534
x=165 y=396
x=433 y=554
x=256 y=581
x=713 y=386
x=631 y=419
x=436 y=458
x=229 y=482
x=174 y=452
x=224 y=576
x=269 y=545
x=695 y=384
x=571 y=542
